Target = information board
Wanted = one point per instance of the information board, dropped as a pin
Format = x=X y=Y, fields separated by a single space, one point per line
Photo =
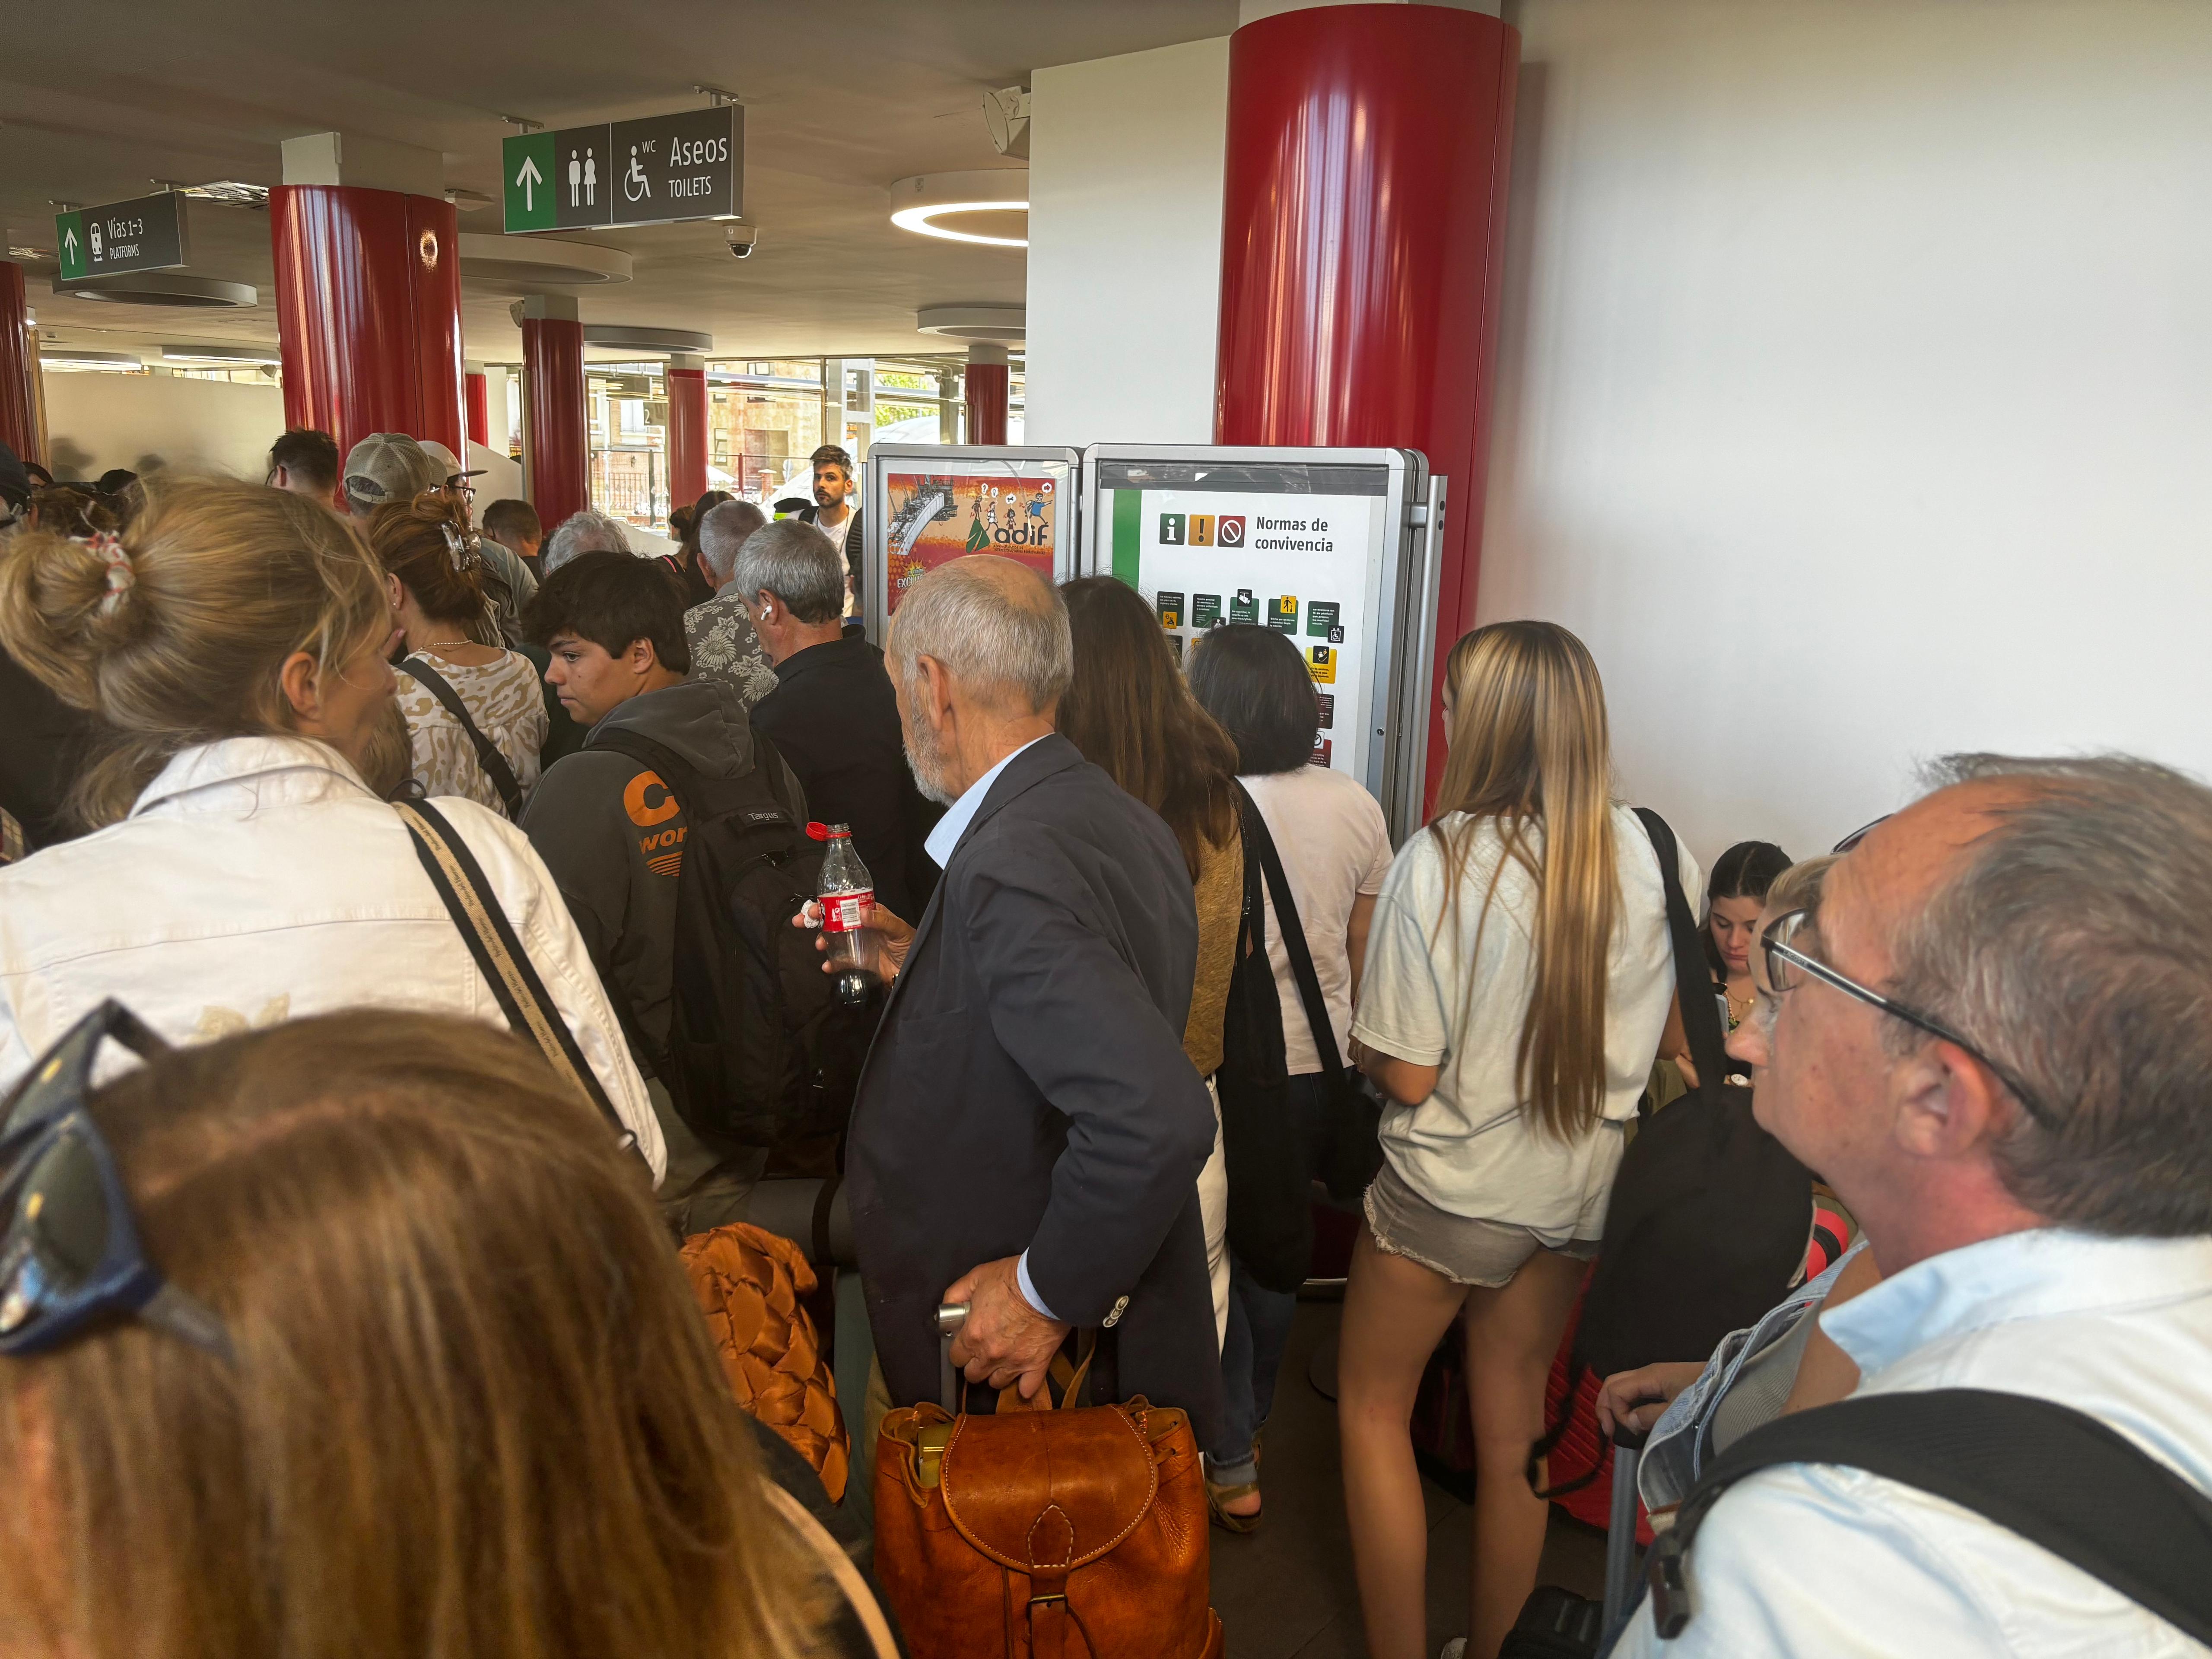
x=932 y=503
x=1320 y=544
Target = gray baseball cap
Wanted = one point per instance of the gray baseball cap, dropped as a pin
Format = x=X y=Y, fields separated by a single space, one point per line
x=389 y=466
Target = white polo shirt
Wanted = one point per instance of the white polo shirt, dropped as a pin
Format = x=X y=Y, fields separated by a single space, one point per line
x=1812 y=1559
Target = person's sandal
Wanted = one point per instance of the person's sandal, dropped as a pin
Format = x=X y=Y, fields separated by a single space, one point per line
x=1216 y=1496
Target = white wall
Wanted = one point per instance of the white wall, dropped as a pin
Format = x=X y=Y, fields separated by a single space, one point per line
x=1125 y=245
x=144 y=421
x=1854 y=392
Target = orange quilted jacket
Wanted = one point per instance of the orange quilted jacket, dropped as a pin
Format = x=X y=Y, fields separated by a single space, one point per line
x=749 y=1284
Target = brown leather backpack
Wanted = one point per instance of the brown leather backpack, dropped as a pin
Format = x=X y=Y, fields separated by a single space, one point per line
x=1045 y=1532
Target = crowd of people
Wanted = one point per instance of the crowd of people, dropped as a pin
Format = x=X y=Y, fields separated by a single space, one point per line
x=451 y=879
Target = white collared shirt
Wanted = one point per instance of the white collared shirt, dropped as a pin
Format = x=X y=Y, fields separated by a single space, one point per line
x=259 y=879
x=957 y=817
x=1814 y=1560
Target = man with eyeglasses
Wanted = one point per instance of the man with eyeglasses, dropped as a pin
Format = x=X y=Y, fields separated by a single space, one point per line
x=1993 y=1036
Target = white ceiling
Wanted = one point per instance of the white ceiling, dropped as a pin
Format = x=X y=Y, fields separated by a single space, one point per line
x=100 y=99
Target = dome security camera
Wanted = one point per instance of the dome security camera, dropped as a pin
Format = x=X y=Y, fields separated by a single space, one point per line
x=743 y=238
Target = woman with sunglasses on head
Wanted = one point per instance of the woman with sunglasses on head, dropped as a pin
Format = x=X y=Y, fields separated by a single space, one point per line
x=357 y=1336
x=1519 y=977
x=232 y=643
x=440 y=584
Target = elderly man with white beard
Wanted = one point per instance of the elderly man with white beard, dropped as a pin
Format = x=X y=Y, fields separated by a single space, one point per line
x=1028 y=1132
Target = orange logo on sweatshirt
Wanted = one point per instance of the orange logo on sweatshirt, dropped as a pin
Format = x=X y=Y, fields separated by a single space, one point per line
x=643 y=812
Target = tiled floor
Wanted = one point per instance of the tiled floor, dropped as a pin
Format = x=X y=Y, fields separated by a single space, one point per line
x=1286 y=1591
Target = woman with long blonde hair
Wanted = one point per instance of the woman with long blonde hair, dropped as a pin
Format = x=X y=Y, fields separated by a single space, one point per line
x=1518 y=980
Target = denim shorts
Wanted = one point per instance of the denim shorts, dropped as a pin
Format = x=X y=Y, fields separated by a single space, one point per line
x=1464 y=1250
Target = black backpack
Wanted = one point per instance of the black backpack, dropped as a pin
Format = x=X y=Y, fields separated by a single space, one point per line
x=1709 y=1214
x=760 y=1052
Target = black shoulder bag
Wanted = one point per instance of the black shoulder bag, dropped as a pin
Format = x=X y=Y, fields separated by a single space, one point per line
x=1272 y=1167
x=2056 y=1476
x=499 y=957
x=488 y=756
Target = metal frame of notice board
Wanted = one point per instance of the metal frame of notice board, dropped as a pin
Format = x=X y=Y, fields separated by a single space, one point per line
x=929 y=503
x=1354 y=530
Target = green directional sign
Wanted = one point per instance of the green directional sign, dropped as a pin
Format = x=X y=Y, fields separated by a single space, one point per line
x=144 y=233
x=69 y=237
x=527 y=166
x=656 y=171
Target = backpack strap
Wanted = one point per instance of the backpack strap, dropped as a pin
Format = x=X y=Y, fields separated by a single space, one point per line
x=1294 y=942
x=1701 y=1021
x=2057 y=1477
x=506 y=966
x=488 y=756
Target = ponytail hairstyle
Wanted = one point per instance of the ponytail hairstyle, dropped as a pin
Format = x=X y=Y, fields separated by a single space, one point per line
x=1529 y=747
x=174 y=633
x=428 y=544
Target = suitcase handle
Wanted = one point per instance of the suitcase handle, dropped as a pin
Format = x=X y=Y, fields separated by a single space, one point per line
x=951 y=1316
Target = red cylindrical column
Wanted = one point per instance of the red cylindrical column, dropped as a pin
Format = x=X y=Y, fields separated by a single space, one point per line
x=985 y=392
x=1363 y=245
x=19 y=363
x=369 y=310
x=687 y=432
x=554 y=422
x=479 y=406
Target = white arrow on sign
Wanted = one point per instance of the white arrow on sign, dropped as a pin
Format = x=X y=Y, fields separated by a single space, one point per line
x=68 y=235
x=530 y=178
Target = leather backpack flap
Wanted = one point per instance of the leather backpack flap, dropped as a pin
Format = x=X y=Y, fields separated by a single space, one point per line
x=1046 y=1492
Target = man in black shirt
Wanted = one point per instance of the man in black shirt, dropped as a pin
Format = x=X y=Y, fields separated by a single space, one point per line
x=832 y=714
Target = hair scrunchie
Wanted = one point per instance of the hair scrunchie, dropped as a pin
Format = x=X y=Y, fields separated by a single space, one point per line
x=122 y=575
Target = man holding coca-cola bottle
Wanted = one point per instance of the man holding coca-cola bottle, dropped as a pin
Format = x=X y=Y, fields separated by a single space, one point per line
x=1028 y=1134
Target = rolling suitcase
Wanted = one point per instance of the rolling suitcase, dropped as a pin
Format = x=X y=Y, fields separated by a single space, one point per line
x=1556 y=1623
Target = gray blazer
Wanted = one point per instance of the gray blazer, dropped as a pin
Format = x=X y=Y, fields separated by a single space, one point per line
x=1027 y=1088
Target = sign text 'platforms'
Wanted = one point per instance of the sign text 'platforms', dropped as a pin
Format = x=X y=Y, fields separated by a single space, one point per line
x=144 y=234
x=650 y=172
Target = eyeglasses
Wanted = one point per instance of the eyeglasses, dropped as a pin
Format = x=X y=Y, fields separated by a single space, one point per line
x=69 y=1249
x=1785 y=962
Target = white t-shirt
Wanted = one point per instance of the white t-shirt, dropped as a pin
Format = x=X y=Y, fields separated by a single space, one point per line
x=1334 y=847
x=1471 y=1147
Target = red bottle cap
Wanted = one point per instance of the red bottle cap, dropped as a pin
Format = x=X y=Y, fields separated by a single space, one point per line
x=819 y=831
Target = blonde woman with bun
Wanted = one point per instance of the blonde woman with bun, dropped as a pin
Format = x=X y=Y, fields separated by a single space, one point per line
x=232 y=644
x=445 y=1391
x=1518 y=980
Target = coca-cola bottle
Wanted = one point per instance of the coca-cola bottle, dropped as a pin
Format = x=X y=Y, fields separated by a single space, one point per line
x=847 y=893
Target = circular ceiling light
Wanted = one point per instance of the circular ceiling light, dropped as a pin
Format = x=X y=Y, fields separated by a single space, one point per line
x=533 y=263
x=124 y=362
x=989 y=206
x=221 y=356
x=995 y=324
x=622 y=336
x=159 y=288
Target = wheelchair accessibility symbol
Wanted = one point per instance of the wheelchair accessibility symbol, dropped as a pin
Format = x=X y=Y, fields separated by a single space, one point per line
x=636 y=187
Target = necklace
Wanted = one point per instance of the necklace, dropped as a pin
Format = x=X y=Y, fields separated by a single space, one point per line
x=435 y=645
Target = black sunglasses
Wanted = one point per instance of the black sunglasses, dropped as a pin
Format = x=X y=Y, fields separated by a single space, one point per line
x=69 y=1249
